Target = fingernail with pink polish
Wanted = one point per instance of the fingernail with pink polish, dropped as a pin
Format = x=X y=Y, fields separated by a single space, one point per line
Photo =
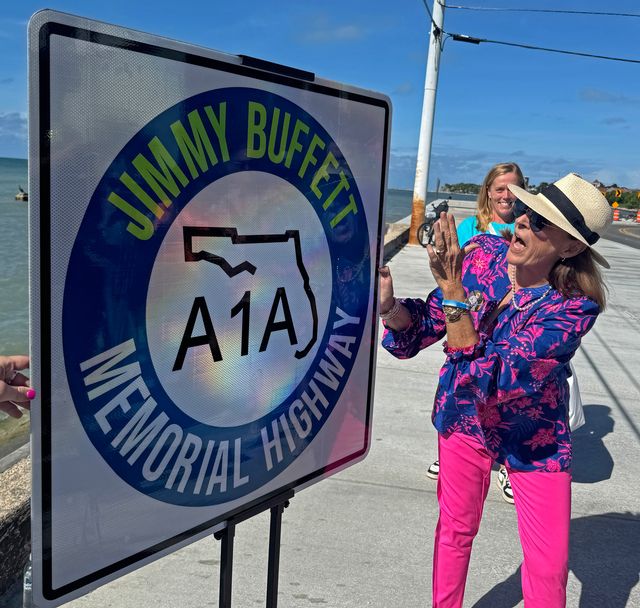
x=31 y=394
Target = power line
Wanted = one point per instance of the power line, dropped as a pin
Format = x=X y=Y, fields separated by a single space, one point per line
x=437 y=32
x=428 y=11
x=541 y=10
x=474 y=40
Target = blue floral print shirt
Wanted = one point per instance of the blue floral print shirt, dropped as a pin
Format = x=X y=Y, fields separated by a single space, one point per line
x=510 y=390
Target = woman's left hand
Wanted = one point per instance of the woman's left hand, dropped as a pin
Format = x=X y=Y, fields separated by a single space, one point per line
x=445 y=257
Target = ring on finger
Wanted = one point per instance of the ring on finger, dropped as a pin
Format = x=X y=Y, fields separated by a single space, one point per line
x=12 y=377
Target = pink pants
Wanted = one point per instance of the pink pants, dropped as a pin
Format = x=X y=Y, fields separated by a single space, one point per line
x=543 y=507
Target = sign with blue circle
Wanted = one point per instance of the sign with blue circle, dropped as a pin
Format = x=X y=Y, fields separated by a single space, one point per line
x=205 y=231
x=207 y=329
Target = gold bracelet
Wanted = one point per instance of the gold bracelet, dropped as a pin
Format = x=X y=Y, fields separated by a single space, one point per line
x=453 y=313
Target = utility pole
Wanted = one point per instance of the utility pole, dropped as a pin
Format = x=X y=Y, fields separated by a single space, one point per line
x=426 y=123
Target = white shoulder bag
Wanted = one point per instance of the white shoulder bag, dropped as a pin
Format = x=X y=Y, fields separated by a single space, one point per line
x=576 y=411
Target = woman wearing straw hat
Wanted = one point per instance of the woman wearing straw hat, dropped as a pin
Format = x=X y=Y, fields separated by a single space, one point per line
x=493 y=215
x=513 y=314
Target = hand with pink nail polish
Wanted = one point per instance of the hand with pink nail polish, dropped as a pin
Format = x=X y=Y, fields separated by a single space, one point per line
x=15 y=392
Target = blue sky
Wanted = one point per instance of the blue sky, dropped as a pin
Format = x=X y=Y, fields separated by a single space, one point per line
x=551 y=113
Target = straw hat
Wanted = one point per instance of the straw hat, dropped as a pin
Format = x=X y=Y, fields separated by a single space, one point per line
x=574 y=205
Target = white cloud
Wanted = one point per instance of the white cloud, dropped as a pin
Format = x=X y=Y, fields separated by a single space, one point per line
x=13 y=124
x=615 y=120
x=324 y=31
x=13 y=134
x=453 y=164
x=628 y=178
x=405 y=88
x=402 y=170
x=602 y=96
x=12 y=28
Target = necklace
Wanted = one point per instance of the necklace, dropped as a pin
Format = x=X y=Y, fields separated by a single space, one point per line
x=512 y=277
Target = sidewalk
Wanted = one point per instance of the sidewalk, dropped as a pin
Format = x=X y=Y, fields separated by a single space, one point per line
x=364 y=537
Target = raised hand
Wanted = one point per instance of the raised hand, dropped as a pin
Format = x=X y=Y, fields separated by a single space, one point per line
x=385 y=291
x=445 y=257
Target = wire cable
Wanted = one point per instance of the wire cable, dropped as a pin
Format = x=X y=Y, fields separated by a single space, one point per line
x=428 y=11
x=474 y=40
x=438 y=32
x=541 y=10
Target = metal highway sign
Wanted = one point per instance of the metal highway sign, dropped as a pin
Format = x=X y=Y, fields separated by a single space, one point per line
x=205 y=230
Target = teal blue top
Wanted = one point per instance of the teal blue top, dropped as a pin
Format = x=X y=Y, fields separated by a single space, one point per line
x=468 y=228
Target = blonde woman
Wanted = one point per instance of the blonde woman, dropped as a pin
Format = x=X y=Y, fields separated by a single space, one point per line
x=494 y=212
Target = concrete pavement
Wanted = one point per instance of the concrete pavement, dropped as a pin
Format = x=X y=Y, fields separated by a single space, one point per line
x=364 y=537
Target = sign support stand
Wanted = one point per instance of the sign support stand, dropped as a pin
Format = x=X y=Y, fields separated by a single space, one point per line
x=277 y=505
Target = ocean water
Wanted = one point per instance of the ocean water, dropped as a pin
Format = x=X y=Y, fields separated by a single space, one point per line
x=14 y=261
x=14 y=284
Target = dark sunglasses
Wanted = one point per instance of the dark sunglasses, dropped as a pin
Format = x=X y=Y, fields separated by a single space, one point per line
x=536 y=221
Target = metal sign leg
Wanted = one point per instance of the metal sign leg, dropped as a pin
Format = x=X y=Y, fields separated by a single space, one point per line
x=275 y=532
x=277 y=505
x=226 y=564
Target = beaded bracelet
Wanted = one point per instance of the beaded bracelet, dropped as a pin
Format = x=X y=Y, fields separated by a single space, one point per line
x=456 y=304
x=392 y=313
x=465 y=350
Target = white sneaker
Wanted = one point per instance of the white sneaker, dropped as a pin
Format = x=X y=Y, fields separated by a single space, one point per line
x=505 y=485
x=434 y=470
